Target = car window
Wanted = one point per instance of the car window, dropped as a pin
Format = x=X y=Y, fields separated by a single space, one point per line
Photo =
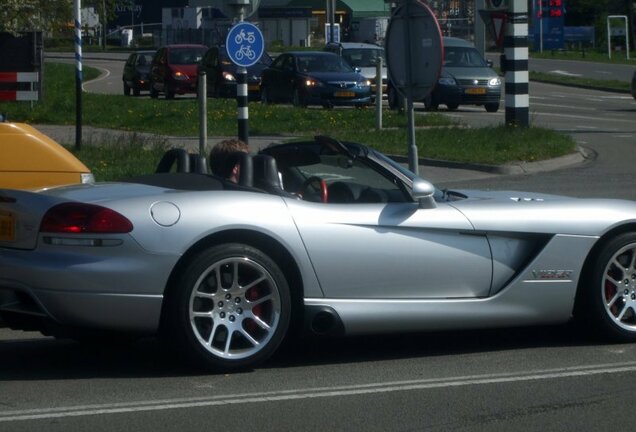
x=280 y=60
x=144 y=59
x=363 y=57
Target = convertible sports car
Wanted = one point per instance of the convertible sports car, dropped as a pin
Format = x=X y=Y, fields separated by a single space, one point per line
x=334 y=238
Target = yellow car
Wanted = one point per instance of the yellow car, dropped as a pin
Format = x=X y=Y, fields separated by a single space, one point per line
x=32 y=160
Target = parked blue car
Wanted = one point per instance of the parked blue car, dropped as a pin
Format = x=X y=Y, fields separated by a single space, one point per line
x=314 y=78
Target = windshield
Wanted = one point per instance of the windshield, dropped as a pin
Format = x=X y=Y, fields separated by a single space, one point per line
x=322 y=63
x=463 y=57
x=186 y=56
x=363 y=57
x=439 y=195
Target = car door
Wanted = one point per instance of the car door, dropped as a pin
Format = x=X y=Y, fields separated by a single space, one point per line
x=393 y=250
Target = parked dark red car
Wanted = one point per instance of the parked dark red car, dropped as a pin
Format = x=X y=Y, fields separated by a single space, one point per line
x=174 y=70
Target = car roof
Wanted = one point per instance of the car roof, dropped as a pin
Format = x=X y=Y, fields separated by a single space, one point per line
x=177 y=46
x=453 y=41
x=359 y=45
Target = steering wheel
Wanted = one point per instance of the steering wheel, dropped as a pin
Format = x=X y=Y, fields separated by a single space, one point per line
x=317 y=183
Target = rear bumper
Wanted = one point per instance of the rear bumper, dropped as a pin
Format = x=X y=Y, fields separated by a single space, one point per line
x=109 y=288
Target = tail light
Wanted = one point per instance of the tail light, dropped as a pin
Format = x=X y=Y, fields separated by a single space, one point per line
x=81 y=218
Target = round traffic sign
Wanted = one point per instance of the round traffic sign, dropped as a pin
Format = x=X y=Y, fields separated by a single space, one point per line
x=414 y=49
x=244 y=44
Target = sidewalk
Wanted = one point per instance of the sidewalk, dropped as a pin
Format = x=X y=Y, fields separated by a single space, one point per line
x=433 y=170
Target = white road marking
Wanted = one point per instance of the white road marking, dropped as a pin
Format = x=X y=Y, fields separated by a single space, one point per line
x=565 y=73
x=319 y=392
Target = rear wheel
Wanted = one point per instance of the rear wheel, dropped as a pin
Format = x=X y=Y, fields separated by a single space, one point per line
x=126 y=90
x=610 y=298
x=452 y=107
x=230 y=307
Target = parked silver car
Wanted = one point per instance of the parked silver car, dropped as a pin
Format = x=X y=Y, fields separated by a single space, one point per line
x=466 y=79
x=332 y=236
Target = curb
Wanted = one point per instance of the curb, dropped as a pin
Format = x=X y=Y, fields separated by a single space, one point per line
x=518 y=168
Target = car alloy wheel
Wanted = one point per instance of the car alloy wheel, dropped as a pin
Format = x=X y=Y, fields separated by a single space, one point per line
x=609 y=302
x=232 y=307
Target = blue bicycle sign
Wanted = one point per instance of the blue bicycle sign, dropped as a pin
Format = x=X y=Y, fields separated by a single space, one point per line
x=244 y=44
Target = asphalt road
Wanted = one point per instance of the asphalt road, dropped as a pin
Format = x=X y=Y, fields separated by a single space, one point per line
x=547 y=378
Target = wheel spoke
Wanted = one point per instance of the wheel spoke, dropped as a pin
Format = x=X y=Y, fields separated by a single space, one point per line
x=621 y=315
x=228 y=342
x=249 y=338
x=254 y=283
x=202 y=314
x=215 y=327
x=259 y=301
x=262 y=324
x=610 y=303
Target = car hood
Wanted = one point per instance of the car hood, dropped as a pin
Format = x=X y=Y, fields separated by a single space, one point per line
x=369 y=72
x=468 y=72
x=336 y=76
x=516 y=211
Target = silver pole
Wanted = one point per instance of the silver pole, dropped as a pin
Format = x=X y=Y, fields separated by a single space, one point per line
x=203 y=112
x=378 y=94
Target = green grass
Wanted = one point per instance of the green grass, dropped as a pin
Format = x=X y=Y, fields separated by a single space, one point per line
x=437 y=136
x=589 y=56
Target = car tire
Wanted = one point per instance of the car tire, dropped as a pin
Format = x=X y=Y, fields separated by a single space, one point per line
x=265 y=98
x=607 y=301
x=492 y=107
x=229 y=308
x=395 y=99
x=298 y=100
x=452 y=107
x=126 y=89
x=430 y=104
x=154 y=94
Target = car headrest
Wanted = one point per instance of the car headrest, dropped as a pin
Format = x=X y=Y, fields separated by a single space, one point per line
x=265 y=173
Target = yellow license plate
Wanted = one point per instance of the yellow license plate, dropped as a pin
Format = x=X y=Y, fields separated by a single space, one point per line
x=7 y=227
x=344 y=94
x=477 y=90
x=253 y=87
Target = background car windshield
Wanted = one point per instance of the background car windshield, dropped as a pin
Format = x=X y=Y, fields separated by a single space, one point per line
x=363 y=57
x=463 y=57
x=331 y=63
x=186 y=56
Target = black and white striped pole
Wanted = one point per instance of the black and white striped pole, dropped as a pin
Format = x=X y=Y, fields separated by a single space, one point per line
x=516 y=64
x=241 y=103
x=78 y=75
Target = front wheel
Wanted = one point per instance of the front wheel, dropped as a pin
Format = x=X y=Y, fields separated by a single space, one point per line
x=230 y=307
x=492 y=107
x=610 y=298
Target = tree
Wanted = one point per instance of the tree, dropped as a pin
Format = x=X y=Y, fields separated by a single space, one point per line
x=41 y=15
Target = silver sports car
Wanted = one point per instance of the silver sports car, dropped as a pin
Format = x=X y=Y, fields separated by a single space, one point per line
x=333 y=238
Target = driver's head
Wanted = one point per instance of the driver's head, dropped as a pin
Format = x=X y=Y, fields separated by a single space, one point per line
x=221 y=161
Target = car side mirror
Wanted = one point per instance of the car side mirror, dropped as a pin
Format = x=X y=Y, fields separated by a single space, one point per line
x=423 y=192
x=357 y=69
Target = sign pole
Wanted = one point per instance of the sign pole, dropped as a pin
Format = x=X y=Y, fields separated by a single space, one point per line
x=410 y=112
x=245 y=46
x=78 y=75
